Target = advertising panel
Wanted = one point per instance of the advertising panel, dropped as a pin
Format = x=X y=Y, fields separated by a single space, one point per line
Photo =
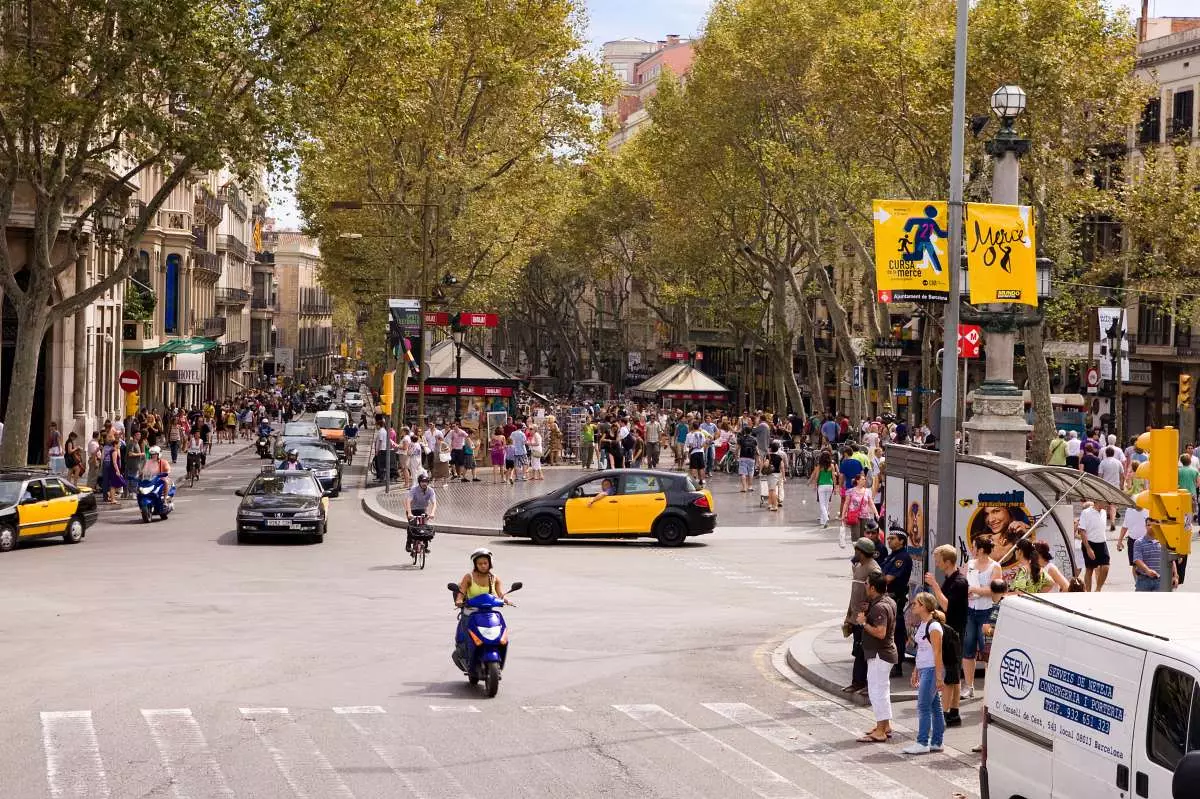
x=1001 y=254
x=910 y=250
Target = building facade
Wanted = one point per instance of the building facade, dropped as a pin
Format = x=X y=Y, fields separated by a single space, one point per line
x=303 y=310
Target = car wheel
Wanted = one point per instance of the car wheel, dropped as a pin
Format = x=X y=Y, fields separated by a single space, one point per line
x=544 y=529
x=8 y=537
x=74 y=532
x=670 y=532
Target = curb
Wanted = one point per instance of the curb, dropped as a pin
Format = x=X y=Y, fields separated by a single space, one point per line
x=800 y=656
x=372 y=508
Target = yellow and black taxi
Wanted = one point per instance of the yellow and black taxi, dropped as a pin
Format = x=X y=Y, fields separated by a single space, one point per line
x=620 y=503
x=37 y=504
x=283 y=503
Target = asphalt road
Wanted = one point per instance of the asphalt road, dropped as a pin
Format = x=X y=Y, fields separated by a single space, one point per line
x=164 y=660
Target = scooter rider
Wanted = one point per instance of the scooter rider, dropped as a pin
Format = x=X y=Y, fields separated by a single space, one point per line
x=292 y=464
x=154 y=466
x=477 y=582
x=421 y=500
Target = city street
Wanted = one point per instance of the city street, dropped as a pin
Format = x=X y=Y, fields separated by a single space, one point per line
x=165 y=660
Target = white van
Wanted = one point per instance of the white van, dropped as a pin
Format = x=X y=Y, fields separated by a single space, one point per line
x=1092 y=696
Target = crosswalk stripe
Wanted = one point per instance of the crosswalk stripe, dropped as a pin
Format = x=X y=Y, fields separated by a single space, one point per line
x=185 y=755
x=420 y=771
x=74 y=768
x=297 y=757
x=539 y=709
x=736 y=765
x=850 y=721
x=836 y=763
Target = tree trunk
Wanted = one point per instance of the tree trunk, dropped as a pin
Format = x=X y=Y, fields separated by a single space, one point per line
x=1039 y=391
x=32 y=318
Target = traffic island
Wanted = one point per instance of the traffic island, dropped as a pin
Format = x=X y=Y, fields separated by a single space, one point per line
x=819 y=655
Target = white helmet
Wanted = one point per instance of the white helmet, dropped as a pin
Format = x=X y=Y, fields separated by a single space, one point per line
x=482 y=552
x=155 y=450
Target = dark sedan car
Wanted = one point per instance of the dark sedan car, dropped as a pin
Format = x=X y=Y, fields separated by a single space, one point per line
x=284 y=503
x=37 y=504
x=324 y=465
x=623 y=503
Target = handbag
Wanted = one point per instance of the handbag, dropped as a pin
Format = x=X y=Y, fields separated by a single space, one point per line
x=853 y=511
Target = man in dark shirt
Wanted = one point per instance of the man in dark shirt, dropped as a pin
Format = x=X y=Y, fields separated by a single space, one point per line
x=897 y=571
x=1090 y=461
x=850 y=468
x=952 y=598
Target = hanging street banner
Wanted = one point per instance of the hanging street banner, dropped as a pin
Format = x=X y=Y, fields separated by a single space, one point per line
x=1001 y=254
x=910 y=250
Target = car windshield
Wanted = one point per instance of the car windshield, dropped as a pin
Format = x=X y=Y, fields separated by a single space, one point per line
x=299 y=429
x=691 y=485
x=310 y=453
x=300 y=485
x=351 y=396
x=331 y=421
x=10 y=491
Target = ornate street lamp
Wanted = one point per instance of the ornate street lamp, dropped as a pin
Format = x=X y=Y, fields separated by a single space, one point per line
x=887 y=354
x=1008 y=103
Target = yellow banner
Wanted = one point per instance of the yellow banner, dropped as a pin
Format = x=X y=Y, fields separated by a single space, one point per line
x=910 y=250
x=1001 y=254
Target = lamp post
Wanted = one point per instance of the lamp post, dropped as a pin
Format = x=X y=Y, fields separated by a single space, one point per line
x=458 y=332
x=998 y=426
x=1115 y=340
x=887 y=355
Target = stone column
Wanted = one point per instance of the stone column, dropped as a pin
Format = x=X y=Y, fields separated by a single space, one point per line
x=998 y=426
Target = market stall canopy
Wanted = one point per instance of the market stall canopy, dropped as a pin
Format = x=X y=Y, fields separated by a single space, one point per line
x=680 y=378
x=443 y=366
x=176 y=346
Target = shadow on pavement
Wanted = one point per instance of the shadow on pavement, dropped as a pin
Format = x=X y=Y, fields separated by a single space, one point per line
x=601 y=543
x=448 y=689
x=229 y=539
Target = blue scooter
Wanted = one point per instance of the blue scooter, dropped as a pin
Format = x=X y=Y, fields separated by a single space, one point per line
x=481 y=644
x=153 y=498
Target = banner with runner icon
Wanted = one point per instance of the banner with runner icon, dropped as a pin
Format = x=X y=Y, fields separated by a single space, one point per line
x=910 y=250
x=1001 y=254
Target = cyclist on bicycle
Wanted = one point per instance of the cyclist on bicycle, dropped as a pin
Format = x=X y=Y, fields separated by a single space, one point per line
x=419 y=502
x=195 y=454
x=350 y=444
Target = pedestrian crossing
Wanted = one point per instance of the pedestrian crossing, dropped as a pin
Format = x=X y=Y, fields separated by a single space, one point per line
x=732 y=748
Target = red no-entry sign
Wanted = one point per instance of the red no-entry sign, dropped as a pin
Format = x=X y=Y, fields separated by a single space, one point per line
x=130 y=381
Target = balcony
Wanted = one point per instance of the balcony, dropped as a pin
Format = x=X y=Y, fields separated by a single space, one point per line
x=208 y=264
x=318 y=308
x=236 y=204
x=212 y=327
x=233 y=246
x=232 y=297
x=259 y=349
x=208 y=206
x=316 y=350
x=263 y=304
x=264 y=260
x=200 y=238
x=232 y=352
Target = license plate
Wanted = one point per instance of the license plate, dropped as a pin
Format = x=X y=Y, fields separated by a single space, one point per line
x=298 y=526
x=279 y=522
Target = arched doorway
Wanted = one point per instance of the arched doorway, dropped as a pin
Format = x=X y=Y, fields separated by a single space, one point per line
x=41 y=393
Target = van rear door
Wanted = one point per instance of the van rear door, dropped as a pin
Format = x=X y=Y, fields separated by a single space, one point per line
x=1168 y=728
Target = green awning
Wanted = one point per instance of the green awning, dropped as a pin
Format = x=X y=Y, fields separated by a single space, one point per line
x=178 y=345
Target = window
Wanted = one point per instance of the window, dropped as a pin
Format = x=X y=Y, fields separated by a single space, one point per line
x=1171 y=701
x=54 y=489
x=171 y=306
x=642 y=484
x=1181 y=114
x=592 y=487
x=1148 y=129
x=34 y=492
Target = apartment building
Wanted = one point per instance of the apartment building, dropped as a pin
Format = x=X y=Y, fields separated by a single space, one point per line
x=1166 y=343
x=304 y=309
x=638 y=65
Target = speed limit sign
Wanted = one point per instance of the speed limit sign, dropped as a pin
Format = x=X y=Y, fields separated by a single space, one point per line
x=1093 y=377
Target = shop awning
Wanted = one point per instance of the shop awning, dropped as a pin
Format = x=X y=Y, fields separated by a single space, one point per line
x=236 y=383
x=681 y=381
x=178 y=345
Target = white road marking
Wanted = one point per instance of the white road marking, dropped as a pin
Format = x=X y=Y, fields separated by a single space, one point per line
x=419 y=770
x=734 y=764
x=74 y=767
x=538 y=709
x=851 y=721
x=454 y=708
x=185 y=755
x=837 y=764
x=305 y=769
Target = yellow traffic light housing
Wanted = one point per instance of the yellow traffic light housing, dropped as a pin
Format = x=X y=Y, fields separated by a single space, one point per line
x=1185 y=390
x=1167 y=504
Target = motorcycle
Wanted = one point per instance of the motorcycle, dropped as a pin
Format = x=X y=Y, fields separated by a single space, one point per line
x=481 y=647
x=263 y=446
x=151 y=499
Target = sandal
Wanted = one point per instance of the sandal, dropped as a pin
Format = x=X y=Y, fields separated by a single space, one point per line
x=870 y=739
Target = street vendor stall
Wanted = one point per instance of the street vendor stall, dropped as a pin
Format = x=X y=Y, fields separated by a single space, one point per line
x=681 y=385
x=462 y=383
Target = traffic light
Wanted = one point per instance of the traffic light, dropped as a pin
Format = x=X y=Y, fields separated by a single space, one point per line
x=1185 y=390
x=1164 y=500
x=386 y=392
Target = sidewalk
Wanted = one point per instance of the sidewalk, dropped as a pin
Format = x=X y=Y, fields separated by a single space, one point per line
x=821 y=656
x=478 y=508
x=221 y=455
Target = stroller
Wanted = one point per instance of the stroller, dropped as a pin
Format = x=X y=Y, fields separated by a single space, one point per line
x=728 y=463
